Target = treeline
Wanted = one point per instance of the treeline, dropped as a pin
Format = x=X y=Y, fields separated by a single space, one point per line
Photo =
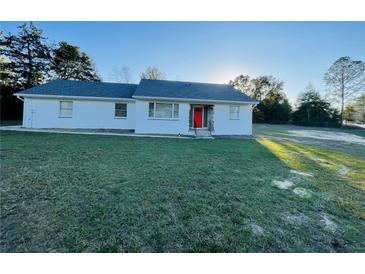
x=274 y=107
x=28 y=59
x=345 y=80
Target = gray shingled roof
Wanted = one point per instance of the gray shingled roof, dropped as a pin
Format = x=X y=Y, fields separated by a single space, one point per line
x=190 y=90
x=82 y=88
x=146 y=88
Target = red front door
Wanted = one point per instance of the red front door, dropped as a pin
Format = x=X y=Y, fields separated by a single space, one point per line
x=198 y=117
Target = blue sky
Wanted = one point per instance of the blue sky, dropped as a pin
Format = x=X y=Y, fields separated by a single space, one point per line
x=295 y=52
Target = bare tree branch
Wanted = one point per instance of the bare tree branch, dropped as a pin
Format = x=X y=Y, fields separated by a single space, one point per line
x=345 y=78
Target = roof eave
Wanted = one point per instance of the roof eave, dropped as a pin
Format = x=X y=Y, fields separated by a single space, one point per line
x=193 y=100
x=94 y=98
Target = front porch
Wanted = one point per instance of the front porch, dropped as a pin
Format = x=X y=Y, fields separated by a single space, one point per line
x=201 y=120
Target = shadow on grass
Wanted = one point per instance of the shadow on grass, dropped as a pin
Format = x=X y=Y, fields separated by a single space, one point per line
x=345 y=189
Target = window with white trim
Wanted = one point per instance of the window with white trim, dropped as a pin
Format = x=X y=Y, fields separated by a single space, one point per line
x=234 y=112
x=66 y=108
x=163 y=110
x=120 y=110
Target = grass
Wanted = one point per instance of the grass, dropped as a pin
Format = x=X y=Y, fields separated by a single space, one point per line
x=283 y=132
x=78 y=193
x=277 y=130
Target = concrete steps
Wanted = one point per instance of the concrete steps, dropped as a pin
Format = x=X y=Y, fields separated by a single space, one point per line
x=203 y=134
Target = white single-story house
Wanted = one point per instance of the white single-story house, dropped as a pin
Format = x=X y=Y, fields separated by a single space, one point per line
x=151 y=107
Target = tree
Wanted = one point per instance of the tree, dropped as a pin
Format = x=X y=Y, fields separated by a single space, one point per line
x=69 y=63
x=28 y=56
x=273 y=106
x=243 y=83
x=122 y=75
x=267 y=86
x=349 y=113
x=313 y=110
x=345 y=78
x=258 y=88
x=358 y=107
x=5 y=72
x=10 y=107
x=152 y=73
x=4 y=65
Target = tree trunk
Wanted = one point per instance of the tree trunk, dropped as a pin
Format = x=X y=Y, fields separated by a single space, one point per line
x=30 y=67
x=363 y=109
x=342 y=95
x=342 y=106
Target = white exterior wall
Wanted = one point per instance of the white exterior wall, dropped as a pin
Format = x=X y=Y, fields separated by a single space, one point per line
x=44 y=113
x=223 y=125
x=144 y=124
x=27 y=113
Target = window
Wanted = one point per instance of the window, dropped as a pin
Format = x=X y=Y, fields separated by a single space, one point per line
x=120 y=110
x=234 y=112
x=176 y=111
x=205 y=116
x=66 y=108
x=163 y=110
x=151 y=110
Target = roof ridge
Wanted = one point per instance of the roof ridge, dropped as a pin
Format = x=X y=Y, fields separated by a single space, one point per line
x=89 y=81
x=190 y=90
x=188 y=82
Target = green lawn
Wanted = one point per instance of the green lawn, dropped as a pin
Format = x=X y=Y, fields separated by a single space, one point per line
x=82 y=193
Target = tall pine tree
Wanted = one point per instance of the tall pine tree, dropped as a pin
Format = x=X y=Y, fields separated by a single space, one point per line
x=312 y=110
x=28 y=56
x=346 y=78
x=69 y=63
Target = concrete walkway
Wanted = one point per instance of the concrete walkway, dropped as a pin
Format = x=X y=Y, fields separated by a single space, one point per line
x=92 y=132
